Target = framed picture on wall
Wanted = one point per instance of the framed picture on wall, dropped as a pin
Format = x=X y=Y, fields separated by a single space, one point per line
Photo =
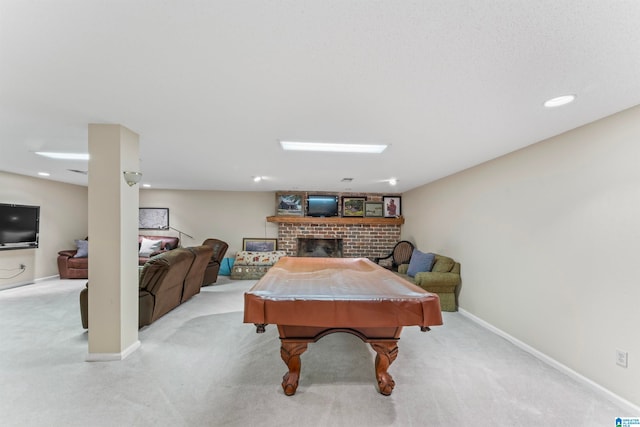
x=290 y=204
x=153 y=218
x=353 y=206
x=374 y=209
x=391 y=206
x=259 y=244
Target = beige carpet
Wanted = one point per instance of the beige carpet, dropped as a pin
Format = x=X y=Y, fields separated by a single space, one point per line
x=201 y=366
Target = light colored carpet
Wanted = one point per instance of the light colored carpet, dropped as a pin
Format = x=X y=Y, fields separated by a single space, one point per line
x=201 y=366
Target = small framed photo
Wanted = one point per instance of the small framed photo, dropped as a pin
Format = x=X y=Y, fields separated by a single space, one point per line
x=259 y=245
x=353 y=206
x=290 y=204
x=374 y=209
x=391 y=206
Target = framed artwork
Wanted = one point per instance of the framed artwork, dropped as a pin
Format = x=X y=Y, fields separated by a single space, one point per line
x=290 y=204
x=353 y=206
x=391 y=206
x=153 y=218
x=374 y=209
x=259 y=245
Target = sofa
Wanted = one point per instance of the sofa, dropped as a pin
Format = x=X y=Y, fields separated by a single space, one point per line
x=165 y=282
x=442 y=279
x=74 y=263
x=213 y=267
x=251 y=265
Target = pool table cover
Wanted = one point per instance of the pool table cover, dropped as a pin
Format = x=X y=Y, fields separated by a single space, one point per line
x=338 y=292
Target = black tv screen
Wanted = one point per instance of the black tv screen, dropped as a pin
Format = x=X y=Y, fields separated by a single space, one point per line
x=19 y=226
x=320 y=205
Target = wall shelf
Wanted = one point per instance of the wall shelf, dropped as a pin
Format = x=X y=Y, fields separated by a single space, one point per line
x=334 y=220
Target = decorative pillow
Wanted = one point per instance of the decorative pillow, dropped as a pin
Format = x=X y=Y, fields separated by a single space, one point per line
x=420 y=262
x=443 y=264
x=225 y=266
x=148 y=246
x=83 y=249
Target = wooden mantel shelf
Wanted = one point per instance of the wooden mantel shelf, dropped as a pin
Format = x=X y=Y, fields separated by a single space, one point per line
x=335 y=220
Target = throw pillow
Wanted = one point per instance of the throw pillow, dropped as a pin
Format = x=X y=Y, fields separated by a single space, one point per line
x=82 y=249
x=420 y=262
x=225 y=266
x=148 y=246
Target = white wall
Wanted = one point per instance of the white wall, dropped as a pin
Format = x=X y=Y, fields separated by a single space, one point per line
x=63 y=218
x=224 y=215
x=549 y=242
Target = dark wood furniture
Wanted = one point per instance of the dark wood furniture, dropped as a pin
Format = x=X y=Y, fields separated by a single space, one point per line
x=309 y=298
x=400 y=254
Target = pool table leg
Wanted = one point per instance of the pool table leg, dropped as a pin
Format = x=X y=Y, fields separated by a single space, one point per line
x=387 y=351
x=290 y=352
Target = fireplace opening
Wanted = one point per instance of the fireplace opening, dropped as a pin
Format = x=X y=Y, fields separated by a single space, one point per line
x=312 y=247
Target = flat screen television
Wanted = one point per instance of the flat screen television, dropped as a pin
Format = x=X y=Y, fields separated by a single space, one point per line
x=19 y=226
x=322 y=205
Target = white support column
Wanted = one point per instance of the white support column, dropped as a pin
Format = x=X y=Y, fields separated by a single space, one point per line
x=113 y=244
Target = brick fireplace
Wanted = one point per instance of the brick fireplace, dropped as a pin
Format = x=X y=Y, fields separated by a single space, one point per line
x=359 y=237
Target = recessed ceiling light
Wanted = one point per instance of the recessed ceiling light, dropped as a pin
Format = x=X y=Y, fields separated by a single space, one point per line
x=559 y=100
x=333 y=147
x=64 y=156
x=44 y=174
x=146 y=185
x=393 y=181
x=257 y=178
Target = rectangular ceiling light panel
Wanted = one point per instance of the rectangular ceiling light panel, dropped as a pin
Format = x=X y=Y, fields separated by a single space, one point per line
x=332 y=147
x=64 y=156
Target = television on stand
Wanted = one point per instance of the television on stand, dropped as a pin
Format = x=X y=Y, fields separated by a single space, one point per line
x=319 y=205
x=19 y=226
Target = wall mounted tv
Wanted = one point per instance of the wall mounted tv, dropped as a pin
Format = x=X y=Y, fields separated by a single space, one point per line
x=322 y=205
x=19 y=226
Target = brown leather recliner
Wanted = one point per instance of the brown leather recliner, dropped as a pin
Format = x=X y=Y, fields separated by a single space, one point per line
x=193 y=280
x=162 y=282
x=70 y=267
x=219 y=250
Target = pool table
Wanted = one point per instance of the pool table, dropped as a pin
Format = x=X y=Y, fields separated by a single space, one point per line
x=309 y=298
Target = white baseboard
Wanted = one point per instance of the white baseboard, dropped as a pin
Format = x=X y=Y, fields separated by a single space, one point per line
x=112 y=357
x=29 y=282
x=554 y=363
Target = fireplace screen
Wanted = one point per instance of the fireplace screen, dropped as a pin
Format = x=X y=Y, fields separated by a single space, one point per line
x=311 y=247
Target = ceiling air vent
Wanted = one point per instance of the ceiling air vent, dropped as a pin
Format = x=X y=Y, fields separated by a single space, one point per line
x=346 y=180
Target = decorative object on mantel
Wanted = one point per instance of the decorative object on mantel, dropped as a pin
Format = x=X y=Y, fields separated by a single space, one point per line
x=353 y=206
x=374 y=209
x=334 y=220
x=290 y=203
x=391 y=206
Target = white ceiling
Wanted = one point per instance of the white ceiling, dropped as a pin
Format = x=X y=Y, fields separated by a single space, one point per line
x=212 y=86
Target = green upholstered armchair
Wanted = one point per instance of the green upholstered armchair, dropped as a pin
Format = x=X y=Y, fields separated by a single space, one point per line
x=443 y=279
